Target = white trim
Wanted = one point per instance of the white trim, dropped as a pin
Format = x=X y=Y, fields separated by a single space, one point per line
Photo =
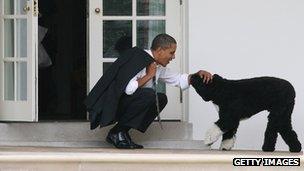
x=12 y=59
x=1 y=52
x=134 y=8
x=94 y=60
x=134 y=23
x=15 y=52
x=14 y=16
x=185 y=57
x=133 y=17
x=34 y=63
x=108 y=59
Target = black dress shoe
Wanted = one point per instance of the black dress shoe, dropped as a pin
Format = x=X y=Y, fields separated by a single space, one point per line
x=136 y=146
x=121 y=140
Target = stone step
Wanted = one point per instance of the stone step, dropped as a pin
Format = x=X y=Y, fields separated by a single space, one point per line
x=80 y=132
x=96 y=159
x=164 y=144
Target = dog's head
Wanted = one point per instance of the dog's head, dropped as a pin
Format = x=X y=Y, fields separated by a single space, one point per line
x=203 y=89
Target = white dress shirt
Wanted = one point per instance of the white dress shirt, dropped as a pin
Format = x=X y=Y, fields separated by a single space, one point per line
x=162 y=73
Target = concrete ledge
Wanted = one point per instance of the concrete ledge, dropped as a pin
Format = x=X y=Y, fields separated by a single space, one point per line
x=32 y=154
x=80 y=131
x=96 y=159
x=164 y=144
x=28 y=154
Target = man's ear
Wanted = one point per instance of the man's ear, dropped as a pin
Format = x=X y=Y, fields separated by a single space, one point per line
x=157 y=53
x=158 y=50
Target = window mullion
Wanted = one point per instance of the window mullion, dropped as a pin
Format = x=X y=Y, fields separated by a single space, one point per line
x=15 y=57
x=134 y=34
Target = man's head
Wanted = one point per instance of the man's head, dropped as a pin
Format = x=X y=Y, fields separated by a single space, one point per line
x=163 y=49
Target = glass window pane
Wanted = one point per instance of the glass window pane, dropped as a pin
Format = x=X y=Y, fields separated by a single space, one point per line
x=147 y=30
x=117 y=7
x=21 y=37
x=21 y=81
x=8 y=7
x=117 y=37
x=8 y=37
x=151 y=7
x=20 y=4
x=9 y=81
x=106 y=66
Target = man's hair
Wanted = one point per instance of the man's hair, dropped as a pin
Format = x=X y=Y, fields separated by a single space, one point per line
x=163 y=41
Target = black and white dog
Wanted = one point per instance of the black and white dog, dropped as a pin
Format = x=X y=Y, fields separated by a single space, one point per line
x=241 y=99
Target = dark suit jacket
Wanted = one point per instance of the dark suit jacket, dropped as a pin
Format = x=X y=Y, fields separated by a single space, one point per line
x=102 y=101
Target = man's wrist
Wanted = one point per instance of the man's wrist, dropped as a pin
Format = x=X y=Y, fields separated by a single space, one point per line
x=150 y=76
x=189 y=79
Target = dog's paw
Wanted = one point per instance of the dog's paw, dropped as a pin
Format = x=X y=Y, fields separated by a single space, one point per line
x=213 y=135
x=227 y=144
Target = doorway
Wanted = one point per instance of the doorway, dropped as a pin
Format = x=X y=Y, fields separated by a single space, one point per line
x=63 y=80
x=116 y=25
x=61 y=60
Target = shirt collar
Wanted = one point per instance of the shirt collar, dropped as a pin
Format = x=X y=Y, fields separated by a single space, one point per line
x=151 y=54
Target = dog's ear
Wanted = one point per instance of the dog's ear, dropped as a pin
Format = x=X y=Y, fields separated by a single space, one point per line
x=196 y=80
x=217 y=77
x=199 y=86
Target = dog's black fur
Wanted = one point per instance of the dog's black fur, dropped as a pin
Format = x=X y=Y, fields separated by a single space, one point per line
x=240 y=99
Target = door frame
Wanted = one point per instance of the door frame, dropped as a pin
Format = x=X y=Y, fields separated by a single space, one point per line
x=18 y=110
x=185 y=55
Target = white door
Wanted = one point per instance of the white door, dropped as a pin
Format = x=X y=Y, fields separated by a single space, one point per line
x=18 y=52
x=119 y=24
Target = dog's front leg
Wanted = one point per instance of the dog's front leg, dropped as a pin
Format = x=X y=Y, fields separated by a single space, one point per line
x=226 y=122
x=227 y=144
x=213 y=134
x=228 y=140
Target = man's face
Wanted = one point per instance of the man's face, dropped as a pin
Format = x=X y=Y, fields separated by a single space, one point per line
x=165 y=55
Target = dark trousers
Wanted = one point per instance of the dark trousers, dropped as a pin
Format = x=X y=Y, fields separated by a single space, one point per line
x=138 y=110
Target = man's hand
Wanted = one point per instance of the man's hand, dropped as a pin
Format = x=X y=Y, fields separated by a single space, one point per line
x=207 y=77
x=150 y=73
x=151 y=70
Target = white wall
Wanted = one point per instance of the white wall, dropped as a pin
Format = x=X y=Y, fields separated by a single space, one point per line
x=242 y=39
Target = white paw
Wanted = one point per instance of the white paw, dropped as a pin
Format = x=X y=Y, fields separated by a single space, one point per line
x=228 y=144
x=212 y=135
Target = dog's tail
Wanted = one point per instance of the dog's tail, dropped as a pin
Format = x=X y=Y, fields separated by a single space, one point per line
x=290 y=92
